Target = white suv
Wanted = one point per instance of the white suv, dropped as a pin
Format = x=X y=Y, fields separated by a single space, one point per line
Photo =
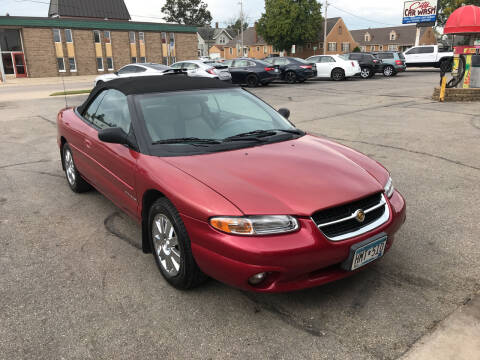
x=198 y=68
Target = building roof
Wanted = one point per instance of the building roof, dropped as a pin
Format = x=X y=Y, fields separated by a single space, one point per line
x=331 y=22
x=20 y=21
x=209 y=33
x=381 y=36
x=104 y=9
x=250 y=37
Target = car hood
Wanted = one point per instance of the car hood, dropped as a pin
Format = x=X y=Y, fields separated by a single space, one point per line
x=296 y=177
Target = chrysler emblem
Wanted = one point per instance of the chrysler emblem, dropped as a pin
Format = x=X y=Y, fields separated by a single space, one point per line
x=359 y=215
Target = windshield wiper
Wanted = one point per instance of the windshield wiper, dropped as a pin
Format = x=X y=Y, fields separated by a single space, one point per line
x=292 y=131
x=255 y=135
x=187 y=140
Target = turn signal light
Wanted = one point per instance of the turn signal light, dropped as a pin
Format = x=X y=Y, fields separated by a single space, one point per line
x=232 y=225
x=255 y=225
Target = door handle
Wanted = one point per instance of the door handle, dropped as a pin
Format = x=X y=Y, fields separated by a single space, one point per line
x=88 y=143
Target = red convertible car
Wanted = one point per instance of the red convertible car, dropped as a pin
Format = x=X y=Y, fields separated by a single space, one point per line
x=225 y=186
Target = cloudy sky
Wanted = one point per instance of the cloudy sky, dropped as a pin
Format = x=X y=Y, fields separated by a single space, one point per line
x=357 y=14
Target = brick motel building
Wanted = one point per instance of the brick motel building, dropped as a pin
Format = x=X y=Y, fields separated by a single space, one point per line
x=94 y=38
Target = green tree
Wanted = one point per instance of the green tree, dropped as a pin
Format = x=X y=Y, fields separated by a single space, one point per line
x=357 y=49
x=236 y=25
x=190 y=12
x=289 y=22
x=447 y=7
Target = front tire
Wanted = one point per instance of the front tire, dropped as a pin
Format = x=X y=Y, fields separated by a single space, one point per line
x=171 y=246
x=366 y=73
x=388 y=71
x=291 y=77
x=252 y=80
x=74 y=179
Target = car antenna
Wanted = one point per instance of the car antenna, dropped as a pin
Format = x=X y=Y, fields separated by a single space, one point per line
x=64 y=92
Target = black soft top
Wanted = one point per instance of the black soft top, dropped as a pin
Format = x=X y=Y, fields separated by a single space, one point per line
x=156 y=84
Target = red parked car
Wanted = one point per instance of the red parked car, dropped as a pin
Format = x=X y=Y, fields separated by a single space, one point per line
x=225 y=186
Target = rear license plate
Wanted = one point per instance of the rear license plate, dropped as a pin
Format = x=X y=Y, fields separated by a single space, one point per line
x=276 y=70
x=368 y=253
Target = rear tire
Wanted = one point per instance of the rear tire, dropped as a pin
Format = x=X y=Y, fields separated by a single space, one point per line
x=252 y=80
x=171 y=246
x=366 y=73
x=74 y=179
x=291 y=77
x=338 y=75
x=388 y=71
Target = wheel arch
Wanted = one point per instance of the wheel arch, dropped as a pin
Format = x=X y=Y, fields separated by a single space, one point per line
x=148 y=198
x=337 y=68
x=63 y=141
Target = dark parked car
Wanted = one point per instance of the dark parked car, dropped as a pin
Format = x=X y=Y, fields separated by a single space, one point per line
x=368 y=63
x=253 y=72
x=293 y=69
x=393 y=61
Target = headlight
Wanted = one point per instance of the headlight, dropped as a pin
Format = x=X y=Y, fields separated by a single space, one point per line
x=389 y=187
x=255 y=225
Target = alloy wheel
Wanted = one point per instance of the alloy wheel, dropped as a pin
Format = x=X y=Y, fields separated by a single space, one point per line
x=291 y=77
x=166 y=245
x=388 y=71
x=69 y=167
x=365 y=73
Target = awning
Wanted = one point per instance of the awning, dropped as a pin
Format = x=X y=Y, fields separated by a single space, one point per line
x=463 y=20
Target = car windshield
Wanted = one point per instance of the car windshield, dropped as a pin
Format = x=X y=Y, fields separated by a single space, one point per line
x=207 y=115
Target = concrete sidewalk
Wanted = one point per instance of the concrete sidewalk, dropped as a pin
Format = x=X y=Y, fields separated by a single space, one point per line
x=14 y=82
x=455 y=338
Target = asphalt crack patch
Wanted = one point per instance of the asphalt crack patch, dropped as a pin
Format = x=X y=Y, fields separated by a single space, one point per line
x=456 y=162
x=23 y=163
x=287 y=317
x=47 y=120
x=111 y=224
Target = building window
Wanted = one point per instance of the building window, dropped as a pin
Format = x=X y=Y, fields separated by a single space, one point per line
x=363 y=48
x=393 y=35
x=96 y=36
x=367 y=37
x=61 y=64
x=392 y=47
x=380 y=47
x=57 y=36
x=265 y=50
x=340 y=30
x=99 y=64
x=107 y=37
x=68 y=36
x=332 y=46
x=309 y=46
x=143 y=59
x=345 y=47
x=134 y=60
x=231 y=51
x=258 y=48
x=141 y=37
x=110 y=63
x=72 y=64
x=320 y=45
x=131 y=35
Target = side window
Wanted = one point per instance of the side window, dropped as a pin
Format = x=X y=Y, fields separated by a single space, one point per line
x=355 y=56
x=251 y=64
x=139 y=69
x=279 y=61
x=426 y=50
x=113 y=111
x=327 y=59
x=127 y=70
x=241 y=63
x=190 y=66
x=413 y=51
x=92 y=108
x=176 y=66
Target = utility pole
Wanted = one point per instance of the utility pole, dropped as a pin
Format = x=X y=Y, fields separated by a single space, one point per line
x=241 y=25
x=325 y=30
x=2 y=70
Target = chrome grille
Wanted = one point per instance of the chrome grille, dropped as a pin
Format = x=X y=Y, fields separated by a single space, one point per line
x=340 y=222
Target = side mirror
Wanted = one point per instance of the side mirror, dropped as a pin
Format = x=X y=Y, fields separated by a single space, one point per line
x=284 y=112
x=116 y=73
x=114 y=136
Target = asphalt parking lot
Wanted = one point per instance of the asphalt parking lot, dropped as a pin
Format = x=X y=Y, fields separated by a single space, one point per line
x=74 y=284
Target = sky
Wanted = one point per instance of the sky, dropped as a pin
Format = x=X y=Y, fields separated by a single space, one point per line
x=356 y=14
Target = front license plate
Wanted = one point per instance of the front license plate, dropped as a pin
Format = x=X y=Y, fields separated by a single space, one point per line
x=369 y=253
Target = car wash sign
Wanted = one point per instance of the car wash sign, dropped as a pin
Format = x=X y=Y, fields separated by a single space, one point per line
x=415 y=12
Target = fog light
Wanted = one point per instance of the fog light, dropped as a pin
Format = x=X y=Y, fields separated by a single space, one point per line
x=257 y=278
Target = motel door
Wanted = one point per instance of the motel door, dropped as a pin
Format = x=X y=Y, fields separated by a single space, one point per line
x=19 y=64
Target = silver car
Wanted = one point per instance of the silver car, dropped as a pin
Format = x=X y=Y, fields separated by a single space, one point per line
x=198 y=68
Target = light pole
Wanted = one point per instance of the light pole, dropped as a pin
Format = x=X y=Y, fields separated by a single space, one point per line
x=241 y=25
x=2 y=70
x=325 y=30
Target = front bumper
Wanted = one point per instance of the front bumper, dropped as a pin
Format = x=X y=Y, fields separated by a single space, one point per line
x=294 y=261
